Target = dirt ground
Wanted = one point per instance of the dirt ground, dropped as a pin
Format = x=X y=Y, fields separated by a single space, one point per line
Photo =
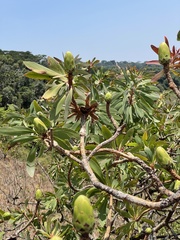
x=16 y=185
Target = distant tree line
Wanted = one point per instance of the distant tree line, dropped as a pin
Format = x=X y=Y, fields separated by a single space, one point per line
x=16 y=89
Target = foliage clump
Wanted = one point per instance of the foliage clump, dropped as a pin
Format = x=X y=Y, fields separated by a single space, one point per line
x=103 y=129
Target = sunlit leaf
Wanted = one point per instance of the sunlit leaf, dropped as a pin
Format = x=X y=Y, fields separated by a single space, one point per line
x=38 y=76
x=53 y=91
x=55 y=65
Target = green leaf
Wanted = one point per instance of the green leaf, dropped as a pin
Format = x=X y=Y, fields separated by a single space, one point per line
x=57 y=107
x=67 y=103
x=63 y=143
x=30 y=162
x=138 y=111
x=106 y=132
x=65 y=133
x=149 y=221
x=37 y=68
x=15 y=131
x=55 y=65
x=102 y=210
x=145 y=136
x=97 y=169
x=35 y=107
x=23 y=139
x=37 y=76
x=127 y=137
x=53 y=91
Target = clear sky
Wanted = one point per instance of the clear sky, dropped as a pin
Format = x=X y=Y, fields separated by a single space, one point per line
x=120 y=30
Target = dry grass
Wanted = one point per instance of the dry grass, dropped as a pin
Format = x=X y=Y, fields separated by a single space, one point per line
x=16 y=185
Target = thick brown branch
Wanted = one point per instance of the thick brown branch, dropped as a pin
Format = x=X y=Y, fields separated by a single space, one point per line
x=144 y=166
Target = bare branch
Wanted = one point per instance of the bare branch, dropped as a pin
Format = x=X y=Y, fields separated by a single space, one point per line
x=110 y=116
x=109 y=219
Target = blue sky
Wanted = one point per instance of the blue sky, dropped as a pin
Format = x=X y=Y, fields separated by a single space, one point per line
x=105 y=29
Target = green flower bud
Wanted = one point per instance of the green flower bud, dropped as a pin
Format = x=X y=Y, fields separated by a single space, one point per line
x=148 y=230
x=38 y=195
x=163 y=158
x=108 y=97
x=83 y=215
x=164 y=53
x=69 y=62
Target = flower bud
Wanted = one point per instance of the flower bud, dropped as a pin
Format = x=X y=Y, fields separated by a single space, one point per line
x=164 y=53
x=163 y=158
x=108 y=97
x=38 y=194
x=69 y=62
x=83 y=215
x=148 y=230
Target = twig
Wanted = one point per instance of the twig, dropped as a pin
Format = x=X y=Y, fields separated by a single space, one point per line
x=166 y=220
x=69 y=179
x=46 y=174
x=116 y=134
x=109 y=219
x=27 y=224
x=174 y=174
x=65 y=152
x=110 y=116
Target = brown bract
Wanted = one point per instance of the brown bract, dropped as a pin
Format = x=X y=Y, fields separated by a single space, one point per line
x=89 y=109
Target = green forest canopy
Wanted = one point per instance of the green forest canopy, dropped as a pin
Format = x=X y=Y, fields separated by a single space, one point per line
x=19 y=90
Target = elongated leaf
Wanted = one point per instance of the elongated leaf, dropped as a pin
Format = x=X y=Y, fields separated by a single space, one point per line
x=15 y=131
x=63 y=143
x=30 y=162
x=23 y=139
x=149 y=221
x=38 y=76
x=37 y=68
x=55 y=65
x=57 y=107
x=106 y=132
x=96 y=169
x=60 y=105
x=67 y=103
x=53 y=91
x=127 y=137
x=35 y=107
x=65 y=133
